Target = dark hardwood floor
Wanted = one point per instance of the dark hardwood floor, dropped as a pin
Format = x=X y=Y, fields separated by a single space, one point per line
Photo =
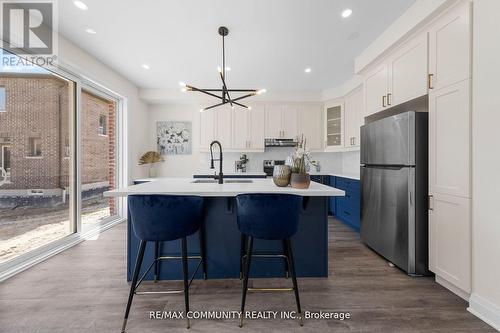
x=84 y=290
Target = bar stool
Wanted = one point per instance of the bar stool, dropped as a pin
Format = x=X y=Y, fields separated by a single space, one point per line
x=158 y=218
x=270 y=217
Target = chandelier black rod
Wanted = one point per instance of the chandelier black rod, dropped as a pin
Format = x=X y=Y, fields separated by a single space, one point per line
x=224 y=94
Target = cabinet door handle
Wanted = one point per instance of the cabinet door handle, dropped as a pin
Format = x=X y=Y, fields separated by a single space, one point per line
x=431 y=202
x=389 y=95
x=429 y=81
x=383 y=101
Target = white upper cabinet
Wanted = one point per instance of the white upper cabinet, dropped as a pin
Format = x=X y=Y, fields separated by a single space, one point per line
x=256 y=128
x=248 y=129
x=450 y=48
x=274 y=114
x=310 y=117
x=334 y=125
x=207 y=129
x=240 y=128
x=376 y=89
x=450 y=140
x=224 y=125
x=408 y=72
x=353 y=118
x=282 y=121
x=290 y=127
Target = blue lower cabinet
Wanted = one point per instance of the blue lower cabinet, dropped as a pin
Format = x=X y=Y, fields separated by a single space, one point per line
x=325 y=180
x=347 y=208
x=333 y=200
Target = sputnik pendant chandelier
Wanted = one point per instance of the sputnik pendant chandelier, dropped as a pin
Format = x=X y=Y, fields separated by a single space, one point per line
x=225 y=96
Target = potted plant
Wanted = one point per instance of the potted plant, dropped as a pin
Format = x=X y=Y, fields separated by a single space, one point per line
x=151 y=158
x=300 y=161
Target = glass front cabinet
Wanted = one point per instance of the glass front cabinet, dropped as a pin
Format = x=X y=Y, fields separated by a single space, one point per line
x=334 y=125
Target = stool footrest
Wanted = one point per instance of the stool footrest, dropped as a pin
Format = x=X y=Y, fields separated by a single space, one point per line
x=166 y=292
x=179 y=291
x=178 y=257
x=270 y=289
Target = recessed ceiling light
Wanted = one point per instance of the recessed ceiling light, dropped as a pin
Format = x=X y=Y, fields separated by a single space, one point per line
x=90 y=31
x=346 y=13
x=307 y=70
x=145 y=66
x=80 y=5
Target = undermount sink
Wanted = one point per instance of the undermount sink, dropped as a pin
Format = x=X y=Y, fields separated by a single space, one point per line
x=226 y=181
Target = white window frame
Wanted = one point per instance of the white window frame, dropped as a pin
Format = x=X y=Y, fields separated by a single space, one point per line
x=33 y=147
x=22 y=262
x=103 y=130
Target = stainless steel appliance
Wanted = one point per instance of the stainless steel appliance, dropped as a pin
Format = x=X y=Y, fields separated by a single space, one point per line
x=394 y=186
x=268 y=166
x=280 y=143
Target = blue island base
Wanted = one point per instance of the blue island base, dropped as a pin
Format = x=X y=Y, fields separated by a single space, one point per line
x=222 y=239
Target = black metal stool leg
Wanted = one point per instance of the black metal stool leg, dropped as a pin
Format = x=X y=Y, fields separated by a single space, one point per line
x=246 y=273
x=243 y=250
x=294 y=280
x=138 y=263
x=156 y=260
x=185 y=275
x=285 y=251
x=202 y=251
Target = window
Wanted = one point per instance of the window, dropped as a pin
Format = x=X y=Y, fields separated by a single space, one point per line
x=2 y=99
x=34 y=146
x=103 y=125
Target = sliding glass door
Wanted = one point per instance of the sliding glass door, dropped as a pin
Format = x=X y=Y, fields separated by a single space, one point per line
x=59 y=152
x=36 y=180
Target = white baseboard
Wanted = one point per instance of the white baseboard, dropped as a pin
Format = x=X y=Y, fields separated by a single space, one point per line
x=451 y=287
x=485 y=310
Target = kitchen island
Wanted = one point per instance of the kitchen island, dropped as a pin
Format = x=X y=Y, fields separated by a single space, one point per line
x=222 y=237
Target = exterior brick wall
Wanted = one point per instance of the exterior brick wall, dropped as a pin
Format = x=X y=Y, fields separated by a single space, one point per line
x=38 y=106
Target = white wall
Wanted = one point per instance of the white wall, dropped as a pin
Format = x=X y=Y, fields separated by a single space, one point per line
x=76 y=60
x=485 y=299
x=186 y=165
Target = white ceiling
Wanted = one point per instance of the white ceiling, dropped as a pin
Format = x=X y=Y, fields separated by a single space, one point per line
x=270 y=42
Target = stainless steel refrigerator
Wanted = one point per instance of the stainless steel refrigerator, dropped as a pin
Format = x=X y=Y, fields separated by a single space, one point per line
x=394 y=186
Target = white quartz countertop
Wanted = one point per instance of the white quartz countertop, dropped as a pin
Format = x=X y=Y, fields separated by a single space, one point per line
x=185 y=186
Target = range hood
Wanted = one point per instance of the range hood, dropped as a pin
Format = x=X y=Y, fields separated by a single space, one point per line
x=280 y=143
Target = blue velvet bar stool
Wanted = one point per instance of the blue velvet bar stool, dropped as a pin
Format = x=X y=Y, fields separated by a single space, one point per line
x=159 y=218
x=269 y=217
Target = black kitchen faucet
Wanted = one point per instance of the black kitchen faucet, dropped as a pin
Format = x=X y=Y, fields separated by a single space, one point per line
x=220 y=177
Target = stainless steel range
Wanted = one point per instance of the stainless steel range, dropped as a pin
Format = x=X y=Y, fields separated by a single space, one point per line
x=268 y=165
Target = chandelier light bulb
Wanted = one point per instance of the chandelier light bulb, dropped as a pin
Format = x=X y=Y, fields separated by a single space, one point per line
x=249 y=108
x=182 y=84
x=202 y=110
x=261 y=91
x=184 y=89
x=219 y=69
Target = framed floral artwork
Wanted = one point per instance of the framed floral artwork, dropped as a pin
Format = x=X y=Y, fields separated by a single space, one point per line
x=174 y=137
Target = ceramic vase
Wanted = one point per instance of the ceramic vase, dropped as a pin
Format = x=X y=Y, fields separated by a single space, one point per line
x=300 y=180
x=281 y=175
